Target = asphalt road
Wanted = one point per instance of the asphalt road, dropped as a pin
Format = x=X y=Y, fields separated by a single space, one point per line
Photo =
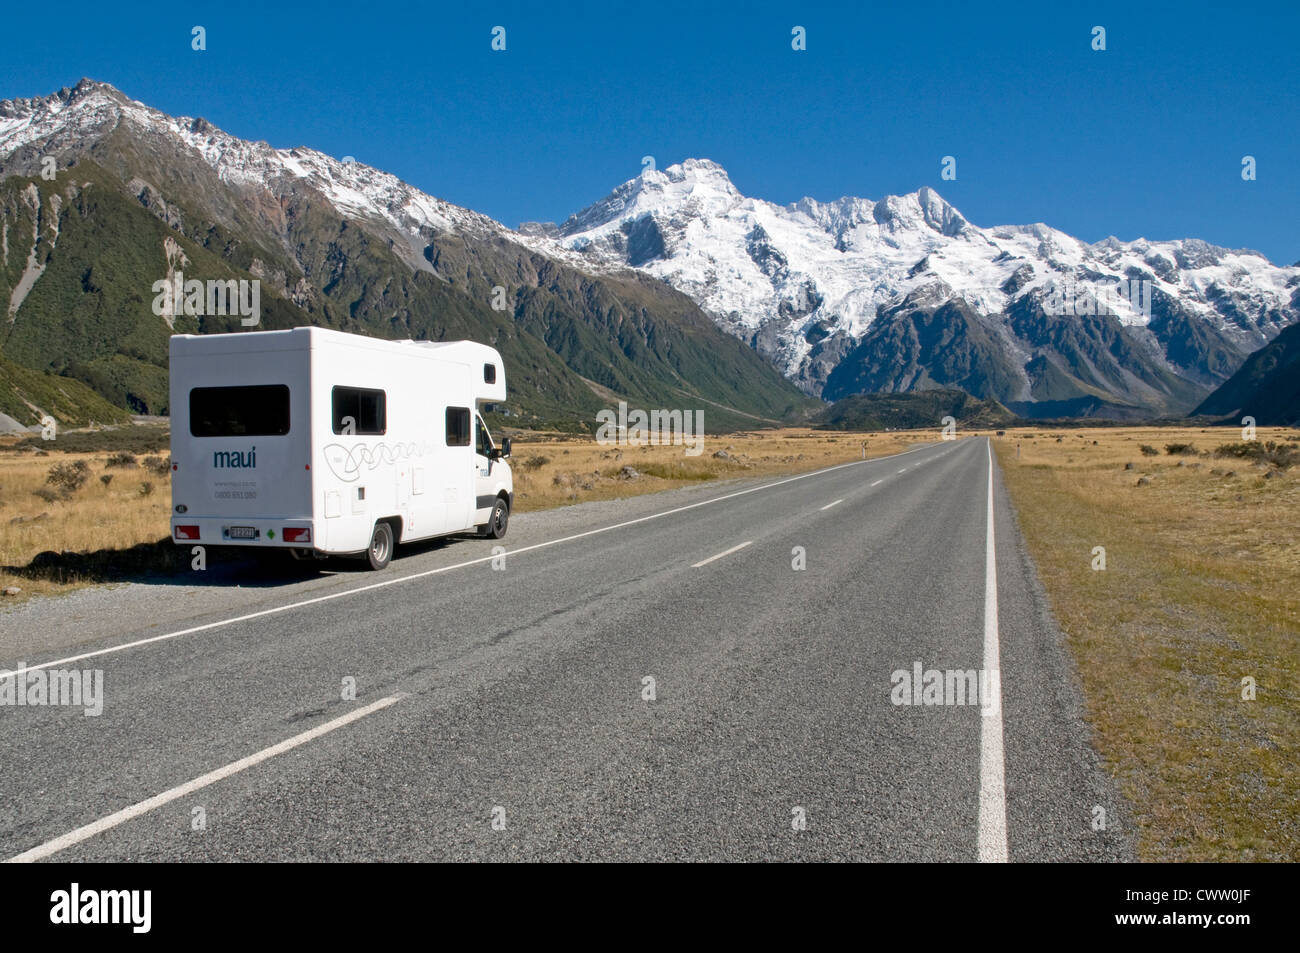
x=502 y=713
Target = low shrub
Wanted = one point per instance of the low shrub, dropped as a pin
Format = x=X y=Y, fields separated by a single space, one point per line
x=68 y=478
x=1280 y=455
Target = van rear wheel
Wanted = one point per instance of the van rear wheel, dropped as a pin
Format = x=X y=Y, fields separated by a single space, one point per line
x=381 y=546
x=495 y=527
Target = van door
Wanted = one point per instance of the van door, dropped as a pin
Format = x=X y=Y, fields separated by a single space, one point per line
x=484 y=491
x=458 y=473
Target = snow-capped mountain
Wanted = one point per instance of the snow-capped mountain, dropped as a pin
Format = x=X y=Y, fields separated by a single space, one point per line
x=806 y=284
x=101 y=196
x=843 y=297
x=72 y=122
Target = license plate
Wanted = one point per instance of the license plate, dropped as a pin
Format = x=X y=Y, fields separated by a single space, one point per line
x=242 y=532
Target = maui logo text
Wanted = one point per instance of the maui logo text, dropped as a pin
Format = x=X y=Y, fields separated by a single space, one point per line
x=234 y=459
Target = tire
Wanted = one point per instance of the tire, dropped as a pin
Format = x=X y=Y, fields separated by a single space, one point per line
x=498 y=522
x=381 y=546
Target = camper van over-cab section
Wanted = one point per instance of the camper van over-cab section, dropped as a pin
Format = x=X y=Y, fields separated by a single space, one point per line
x=324 y=443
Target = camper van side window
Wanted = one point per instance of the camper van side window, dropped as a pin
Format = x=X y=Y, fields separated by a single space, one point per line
x=367 y=410
x=489 y=373
x=458 y=426
x=259 y=410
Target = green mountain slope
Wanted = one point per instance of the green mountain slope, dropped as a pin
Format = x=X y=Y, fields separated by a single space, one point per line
x=27 y=396
x=1266 y=387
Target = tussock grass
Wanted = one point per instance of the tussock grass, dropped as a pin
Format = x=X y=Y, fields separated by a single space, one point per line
x=1201 y=589
x=81 y=513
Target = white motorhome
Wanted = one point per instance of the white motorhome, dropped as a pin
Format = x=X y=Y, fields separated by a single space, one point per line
x=326 y=443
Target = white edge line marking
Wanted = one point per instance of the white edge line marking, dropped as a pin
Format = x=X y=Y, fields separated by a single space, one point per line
x=728 y=552
x=189 y=787
x=829 y=505
x=6 y=673
x=993 y=797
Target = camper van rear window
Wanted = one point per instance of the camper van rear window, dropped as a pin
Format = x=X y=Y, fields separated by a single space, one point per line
x=357 y=410
x=260 y=410
x=489 y=373
x=458 y=426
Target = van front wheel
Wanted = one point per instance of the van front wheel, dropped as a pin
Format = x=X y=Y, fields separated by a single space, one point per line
x=381 y=546
x=495 y=527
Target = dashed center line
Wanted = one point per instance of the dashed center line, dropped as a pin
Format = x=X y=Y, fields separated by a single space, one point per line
x=829 y=505
x=705 y=562
x=877 y=483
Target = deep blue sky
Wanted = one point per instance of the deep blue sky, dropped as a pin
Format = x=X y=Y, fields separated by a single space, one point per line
x=1144 y=139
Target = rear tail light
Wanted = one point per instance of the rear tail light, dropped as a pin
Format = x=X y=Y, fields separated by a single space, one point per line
x=299 y=534
x=187 y=532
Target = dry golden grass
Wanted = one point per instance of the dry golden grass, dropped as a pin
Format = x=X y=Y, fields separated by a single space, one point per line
x=553 y=471
x=576 y=469
x=97 y=517
x=1201 y=589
